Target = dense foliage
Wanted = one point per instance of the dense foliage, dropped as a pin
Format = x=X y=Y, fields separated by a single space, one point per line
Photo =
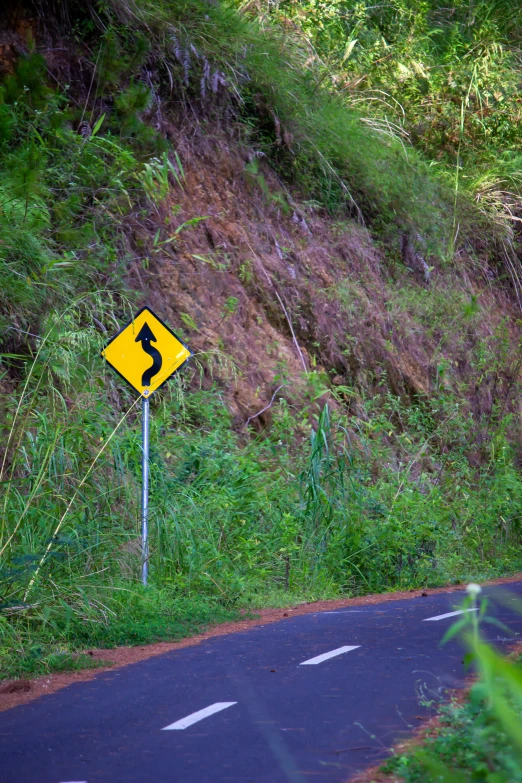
x=444 y=81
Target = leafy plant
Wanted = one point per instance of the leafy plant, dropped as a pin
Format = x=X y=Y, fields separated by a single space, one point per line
x=157 y=175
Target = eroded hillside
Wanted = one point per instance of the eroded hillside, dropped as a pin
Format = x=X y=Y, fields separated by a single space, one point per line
x=283 y=290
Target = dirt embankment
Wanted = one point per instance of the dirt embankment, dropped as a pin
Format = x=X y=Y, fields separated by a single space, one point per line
x=275 y=284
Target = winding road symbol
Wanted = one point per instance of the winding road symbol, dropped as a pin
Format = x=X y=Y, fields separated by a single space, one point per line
x=146 y=337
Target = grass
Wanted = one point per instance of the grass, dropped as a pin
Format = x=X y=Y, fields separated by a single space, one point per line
x=222 y=536
x=53 y=636
x=40 y=658
x=443 y=84
x=277 y=93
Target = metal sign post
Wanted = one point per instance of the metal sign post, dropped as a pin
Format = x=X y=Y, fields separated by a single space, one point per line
x=129 y=353
x=145 y=492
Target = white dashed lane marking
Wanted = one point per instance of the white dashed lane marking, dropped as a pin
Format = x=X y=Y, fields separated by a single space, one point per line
x=331 y=654
x=194 y=717
x=343 y=611
x=449 y=614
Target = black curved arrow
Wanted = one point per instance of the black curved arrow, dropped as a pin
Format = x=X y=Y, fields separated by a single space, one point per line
x=145 y=337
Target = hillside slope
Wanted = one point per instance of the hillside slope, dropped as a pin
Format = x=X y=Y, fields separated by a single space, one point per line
x=350 y=421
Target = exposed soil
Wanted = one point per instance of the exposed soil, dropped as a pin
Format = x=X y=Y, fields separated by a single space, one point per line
x=16 y=692
x=277 y=286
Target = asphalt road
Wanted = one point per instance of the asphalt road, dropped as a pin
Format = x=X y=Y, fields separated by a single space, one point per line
x=270 y=705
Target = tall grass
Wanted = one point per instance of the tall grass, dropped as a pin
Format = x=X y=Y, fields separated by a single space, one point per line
x=445 y=82
x=320 y=523
x=232 y=522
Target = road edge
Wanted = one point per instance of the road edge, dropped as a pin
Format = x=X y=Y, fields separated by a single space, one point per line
x=14 y=693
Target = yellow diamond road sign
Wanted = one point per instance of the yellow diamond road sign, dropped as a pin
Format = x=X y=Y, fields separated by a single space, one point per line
x=146 y=352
